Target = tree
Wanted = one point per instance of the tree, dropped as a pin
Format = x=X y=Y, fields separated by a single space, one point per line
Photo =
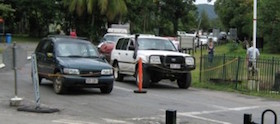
x=205 y=24
x=142 y=15
x=236 y=14
x=97 y=9
x=174 y=10
x=269 y=21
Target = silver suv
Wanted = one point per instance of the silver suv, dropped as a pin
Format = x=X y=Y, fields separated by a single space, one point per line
x=160 y=58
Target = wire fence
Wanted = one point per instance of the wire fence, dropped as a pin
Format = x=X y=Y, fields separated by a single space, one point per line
x=234 y=70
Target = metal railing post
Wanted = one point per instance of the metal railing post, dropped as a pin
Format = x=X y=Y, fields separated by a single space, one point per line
x=247 y=119
x=237 y=70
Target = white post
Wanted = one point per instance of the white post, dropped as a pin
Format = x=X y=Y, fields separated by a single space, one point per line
x=254 y=32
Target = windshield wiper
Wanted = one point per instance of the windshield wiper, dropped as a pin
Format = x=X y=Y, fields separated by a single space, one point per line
x=91 y=56
x=152 y=49
x=74 y=56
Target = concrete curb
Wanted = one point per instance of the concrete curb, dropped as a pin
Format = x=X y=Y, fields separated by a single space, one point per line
x=3 y=65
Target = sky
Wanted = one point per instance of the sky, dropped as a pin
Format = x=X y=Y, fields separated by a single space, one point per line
x=204 y=2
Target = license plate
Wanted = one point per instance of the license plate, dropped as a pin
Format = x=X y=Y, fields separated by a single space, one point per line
x=175 y=66
x=91 y=81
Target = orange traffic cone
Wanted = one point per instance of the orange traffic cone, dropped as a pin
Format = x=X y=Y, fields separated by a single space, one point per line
x=140 y=74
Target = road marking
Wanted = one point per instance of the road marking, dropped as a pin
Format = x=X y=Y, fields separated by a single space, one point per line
x=2 y=65
x=112 y=121
x=121 y=88
x=218 y=111
x=65 y=121
x=207 y=119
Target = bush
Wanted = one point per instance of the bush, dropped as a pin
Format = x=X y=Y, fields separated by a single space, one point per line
x=232 y=46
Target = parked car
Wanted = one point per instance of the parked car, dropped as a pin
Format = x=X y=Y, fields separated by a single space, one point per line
x=108 y=42
x=215 y=39
x=160 y=58
x=72 y=62
x=202 y=40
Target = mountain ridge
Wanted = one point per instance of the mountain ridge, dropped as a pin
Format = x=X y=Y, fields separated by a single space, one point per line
x=209 y=9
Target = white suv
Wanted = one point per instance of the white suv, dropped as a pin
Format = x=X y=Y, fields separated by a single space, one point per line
x=161 y=60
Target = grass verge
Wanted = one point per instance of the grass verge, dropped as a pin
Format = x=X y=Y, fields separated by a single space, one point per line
x=235 y=50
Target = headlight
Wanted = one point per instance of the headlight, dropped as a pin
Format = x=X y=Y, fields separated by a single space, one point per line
x=71 y=71
x=189 y=61
x=106 y=71
x=155 y=60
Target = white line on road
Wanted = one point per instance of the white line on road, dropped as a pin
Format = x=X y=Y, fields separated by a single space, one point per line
x=218 y=111
x=2 y=65
x=112 y=121
x=209 y=120
x=124 y=89
x=65 y=121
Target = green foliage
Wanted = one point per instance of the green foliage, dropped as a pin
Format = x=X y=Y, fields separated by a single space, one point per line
x=174 y=10
x=236 y=14
x=232 y=46
x=205 y=24
x=4 y=8
x=270 y=24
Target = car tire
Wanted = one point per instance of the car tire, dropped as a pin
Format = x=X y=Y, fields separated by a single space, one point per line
x=107 y=89
x=58 y=86
x=184 y=81
x=155 y=80
x=117 y=75
x=40 y=79
x=146 y=79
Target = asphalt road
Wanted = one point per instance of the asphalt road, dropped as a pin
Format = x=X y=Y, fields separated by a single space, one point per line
x=122 y=106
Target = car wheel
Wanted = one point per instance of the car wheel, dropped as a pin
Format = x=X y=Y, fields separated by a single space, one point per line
x=155 y=79
x=117 y=75
x=40 y=79
x=184 y=81
x=58 y=85
x=106 y=89
x=146 y=79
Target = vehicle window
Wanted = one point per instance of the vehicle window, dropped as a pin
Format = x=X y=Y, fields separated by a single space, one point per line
x=155 y=44
x=40 y=46
x=49 y=48
x=131 y=44
x=76 y=50
x=45 y=46
x=113 y=38
x=119 y=44
x=125 y=43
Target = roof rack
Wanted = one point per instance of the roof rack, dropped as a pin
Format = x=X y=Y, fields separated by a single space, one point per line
x=67 y=36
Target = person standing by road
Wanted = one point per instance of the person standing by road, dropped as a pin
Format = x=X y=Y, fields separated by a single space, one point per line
x=73 y=33
x=250 y=53
x=210 y=49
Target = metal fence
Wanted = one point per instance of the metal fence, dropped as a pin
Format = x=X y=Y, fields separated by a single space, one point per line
x=234 y=70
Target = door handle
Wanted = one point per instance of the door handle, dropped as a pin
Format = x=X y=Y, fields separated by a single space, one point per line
x=119 y=53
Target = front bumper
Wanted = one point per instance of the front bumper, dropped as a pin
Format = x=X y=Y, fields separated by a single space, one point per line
x=167 y=70
x=78 y=81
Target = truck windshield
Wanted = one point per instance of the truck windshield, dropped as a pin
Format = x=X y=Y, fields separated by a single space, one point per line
x=155 y=44
x=112 y=38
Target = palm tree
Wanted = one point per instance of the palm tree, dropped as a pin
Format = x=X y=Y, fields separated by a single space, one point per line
x=110 y=8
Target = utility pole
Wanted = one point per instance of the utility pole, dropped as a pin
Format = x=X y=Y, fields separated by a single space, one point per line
x=254 y=32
